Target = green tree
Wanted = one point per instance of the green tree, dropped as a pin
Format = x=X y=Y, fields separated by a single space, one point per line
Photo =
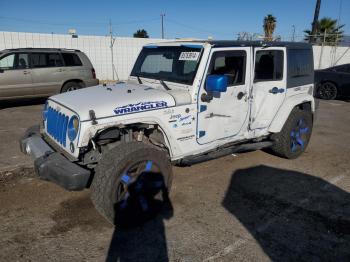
x=326 y=29
x=141 y=33
x=269 y=27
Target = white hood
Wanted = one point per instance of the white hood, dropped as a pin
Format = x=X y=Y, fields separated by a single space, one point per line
x=119 y=99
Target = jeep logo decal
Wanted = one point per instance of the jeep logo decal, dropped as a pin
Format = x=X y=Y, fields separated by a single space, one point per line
x=139 y=107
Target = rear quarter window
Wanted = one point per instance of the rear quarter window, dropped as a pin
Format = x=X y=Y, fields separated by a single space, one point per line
x=71 y=59
x=300 y=67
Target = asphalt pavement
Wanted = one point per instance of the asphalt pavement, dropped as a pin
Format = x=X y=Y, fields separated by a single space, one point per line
x=246 y=207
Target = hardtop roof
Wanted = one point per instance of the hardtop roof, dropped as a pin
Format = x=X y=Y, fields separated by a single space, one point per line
x=235 y=43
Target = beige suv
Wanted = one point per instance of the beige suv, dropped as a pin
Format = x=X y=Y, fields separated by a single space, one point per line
x=40 y=72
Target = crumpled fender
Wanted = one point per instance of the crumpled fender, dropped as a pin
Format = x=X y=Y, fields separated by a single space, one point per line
x=287 y=107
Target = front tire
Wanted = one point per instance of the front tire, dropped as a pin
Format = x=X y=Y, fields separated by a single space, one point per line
x=71 y=86
x=327 y=91
x=294 y=137
x=131 y=183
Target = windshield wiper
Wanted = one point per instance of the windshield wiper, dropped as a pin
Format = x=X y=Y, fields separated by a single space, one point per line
x=164 y=85
x=139 y=79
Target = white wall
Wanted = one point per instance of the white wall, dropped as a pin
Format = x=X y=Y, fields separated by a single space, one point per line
x=97 y=48
x=328 y=56
x=126 y=50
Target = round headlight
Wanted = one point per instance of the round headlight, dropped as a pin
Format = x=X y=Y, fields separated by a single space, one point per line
x=73 y=128
x=45 y=111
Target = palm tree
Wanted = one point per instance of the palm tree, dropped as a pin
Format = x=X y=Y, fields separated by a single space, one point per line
x=269 y=27
x=327 y=30
x=141 y=33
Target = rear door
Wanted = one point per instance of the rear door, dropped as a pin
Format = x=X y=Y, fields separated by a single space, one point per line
x=47 y=72
x=15 y=76
x=75 y=68
x=269 y=87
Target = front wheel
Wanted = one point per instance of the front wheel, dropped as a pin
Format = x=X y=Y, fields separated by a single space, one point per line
x=71 y=86
x=131 y=183
x=294 y=137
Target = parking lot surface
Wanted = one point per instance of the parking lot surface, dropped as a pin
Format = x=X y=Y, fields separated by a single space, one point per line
x=246 y=207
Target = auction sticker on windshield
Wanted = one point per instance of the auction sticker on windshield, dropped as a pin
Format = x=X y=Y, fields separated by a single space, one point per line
x=189 y=56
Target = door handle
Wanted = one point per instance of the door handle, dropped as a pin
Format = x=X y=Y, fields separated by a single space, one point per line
x=26 y=72
x=276 y=90
x=60 y=70
x=215 y=115
x=241 y=95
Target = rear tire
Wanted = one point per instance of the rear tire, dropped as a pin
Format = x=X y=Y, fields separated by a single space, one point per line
x=131 y=183
x=71 y=86
x=294 y=137
x=327 y=91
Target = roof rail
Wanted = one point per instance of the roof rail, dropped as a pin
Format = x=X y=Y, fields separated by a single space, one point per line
x=41 y=49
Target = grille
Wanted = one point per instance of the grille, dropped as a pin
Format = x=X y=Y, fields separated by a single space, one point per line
x=56 y=125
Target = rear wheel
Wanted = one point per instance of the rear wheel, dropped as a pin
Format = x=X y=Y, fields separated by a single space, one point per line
x=292 y=141
x=131 y=183
x=71 y=86
x=327 y=91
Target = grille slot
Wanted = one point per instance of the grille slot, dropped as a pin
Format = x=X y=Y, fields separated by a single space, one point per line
x=56 y=125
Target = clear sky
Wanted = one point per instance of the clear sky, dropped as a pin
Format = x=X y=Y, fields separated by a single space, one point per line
x=200 y=19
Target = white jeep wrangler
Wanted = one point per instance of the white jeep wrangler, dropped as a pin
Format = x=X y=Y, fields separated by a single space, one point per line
x=184 y=103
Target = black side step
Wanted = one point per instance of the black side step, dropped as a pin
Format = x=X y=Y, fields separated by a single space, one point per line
x=220 y=152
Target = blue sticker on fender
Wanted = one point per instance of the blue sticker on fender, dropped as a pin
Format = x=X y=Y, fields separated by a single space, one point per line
x=139 y=107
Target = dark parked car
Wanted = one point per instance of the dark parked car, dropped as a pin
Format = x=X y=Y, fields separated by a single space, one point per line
x=333 y=82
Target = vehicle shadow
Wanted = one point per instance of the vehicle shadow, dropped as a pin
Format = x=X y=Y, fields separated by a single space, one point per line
x=22 y=102
x=293 y=216
x=140 y=236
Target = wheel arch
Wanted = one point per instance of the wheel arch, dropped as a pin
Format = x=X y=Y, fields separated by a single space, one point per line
x=130 y=132
x=72 y=80
x=307 y=104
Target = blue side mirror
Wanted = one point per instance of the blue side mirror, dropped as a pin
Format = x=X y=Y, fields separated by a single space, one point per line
x=216 y=83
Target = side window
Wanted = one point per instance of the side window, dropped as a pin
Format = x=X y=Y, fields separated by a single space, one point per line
x=23 y=61
x=38 y=60
x=268 y=65
x=300 y=63
x=71 y=59
x=54 y=59
x=7 y=62
x=300 y=70
x=231 y=64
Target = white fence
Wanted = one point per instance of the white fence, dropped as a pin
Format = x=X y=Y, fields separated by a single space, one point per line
x=97 y=48
x=126 y=49
x=328 y=56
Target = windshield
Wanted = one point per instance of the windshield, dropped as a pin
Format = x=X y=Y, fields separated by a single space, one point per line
x=169 y=63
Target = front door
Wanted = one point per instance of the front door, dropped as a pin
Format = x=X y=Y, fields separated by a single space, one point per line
x=269 y=87
x=15 y=76
x=224 y=115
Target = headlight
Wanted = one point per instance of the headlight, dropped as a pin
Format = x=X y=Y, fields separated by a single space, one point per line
x=73 y=128
x=45 y=111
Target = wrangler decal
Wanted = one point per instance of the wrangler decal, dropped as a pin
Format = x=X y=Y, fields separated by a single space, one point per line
x=142 y=106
